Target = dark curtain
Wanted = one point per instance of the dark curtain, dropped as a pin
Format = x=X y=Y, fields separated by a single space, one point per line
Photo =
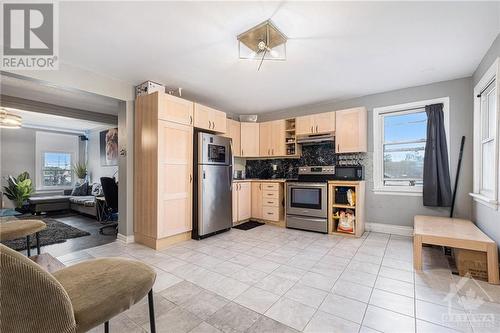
x=437 y=187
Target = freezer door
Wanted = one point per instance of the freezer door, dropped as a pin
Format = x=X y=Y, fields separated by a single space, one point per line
x=215 y=198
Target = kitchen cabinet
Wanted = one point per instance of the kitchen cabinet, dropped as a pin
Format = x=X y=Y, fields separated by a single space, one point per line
x=209 y=118
x=265 y=139
x=272 y=138
x=242 y=201
x=234 y=132
x=351 y=130
x=250 y=139
x=175 y=109
x=267 y=201
x=175 y=165
x=256 y=200
x=315 y=124
x=163 y=152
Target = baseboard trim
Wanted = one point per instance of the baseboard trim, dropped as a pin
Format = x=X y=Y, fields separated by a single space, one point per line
x=125 y=239
x=400 y=230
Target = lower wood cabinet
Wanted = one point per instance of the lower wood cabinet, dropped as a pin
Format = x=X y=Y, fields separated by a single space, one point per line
x=256 y=200
x=242 y=201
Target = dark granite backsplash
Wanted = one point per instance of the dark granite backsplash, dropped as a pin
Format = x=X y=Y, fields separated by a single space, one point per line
x=320 y=154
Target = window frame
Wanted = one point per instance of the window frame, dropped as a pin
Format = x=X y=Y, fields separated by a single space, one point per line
x=42 y=168
x=378 y=144
x=488 y=199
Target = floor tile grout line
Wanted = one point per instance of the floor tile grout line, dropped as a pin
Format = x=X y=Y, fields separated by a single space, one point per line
x=318 y=308
x=371 y=292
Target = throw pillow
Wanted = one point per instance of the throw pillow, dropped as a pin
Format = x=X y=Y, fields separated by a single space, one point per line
x=96 y=190
x=80 y=189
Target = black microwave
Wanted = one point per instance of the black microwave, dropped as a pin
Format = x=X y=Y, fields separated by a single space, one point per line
x=349 y=172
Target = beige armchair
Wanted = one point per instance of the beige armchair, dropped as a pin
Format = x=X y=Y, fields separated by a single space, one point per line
x=74 y=299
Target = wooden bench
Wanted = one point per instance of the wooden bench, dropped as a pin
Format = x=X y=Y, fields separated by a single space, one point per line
x=457 y=233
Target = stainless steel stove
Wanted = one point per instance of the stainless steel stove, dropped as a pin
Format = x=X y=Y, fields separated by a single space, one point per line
x=307 y=199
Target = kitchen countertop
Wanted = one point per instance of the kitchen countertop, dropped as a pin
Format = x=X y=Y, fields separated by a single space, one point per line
x=278 y=180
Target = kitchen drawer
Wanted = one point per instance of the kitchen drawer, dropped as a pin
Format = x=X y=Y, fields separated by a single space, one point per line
x=271 y=213
x=270 y=202
x=271 y=186
x=268 y=194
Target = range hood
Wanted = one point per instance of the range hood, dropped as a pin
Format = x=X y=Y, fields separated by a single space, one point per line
x=316 y=138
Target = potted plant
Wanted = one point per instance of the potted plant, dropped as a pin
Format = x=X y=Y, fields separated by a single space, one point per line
x=19 y=190
x=80 y=170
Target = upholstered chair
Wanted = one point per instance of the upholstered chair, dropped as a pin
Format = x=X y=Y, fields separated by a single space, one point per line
x=73 y=299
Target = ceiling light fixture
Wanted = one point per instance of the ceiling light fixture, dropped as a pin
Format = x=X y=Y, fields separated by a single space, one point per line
x=262 y=42
x=9 y=120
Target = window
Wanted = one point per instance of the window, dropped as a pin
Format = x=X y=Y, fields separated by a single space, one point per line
x=56 y=169
x=486 y=182
x=400 y=133
x=55 y=155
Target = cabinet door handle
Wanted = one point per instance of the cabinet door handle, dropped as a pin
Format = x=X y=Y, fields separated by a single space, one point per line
x=272 y=151
x=260 y=186
x=312 y=129
x=338 y=148
x=190 y=120
x=242 y=153
x=269 y=202
x=316 y=128
x=190 y=178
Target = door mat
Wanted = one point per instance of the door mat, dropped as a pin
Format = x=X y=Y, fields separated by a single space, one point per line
x=248 y=225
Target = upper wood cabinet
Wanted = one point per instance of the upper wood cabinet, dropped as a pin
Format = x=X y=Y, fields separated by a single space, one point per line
x=234 y=132
x=272 y=138
x=209 y=119
x=250 y=139
x=265 y=139
x=175 y=109
x=315 y=124
x=351 y=130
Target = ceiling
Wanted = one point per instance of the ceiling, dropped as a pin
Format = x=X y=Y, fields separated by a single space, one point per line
x=41 y=92
x=336 y=50
x=56 y=123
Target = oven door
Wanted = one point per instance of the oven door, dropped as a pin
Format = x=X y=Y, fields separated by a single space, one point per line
x=307 y=199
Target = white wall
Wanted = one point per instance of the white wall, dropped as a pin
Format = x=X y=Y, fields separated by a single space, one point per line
x=96 y=170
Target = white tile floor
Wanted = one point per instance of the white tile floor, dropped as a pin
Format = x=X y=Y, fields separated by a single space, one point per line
x=271 y=279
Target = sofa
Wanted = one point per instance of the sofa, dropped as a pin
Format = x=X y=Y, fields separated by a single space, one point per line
x=76 y=200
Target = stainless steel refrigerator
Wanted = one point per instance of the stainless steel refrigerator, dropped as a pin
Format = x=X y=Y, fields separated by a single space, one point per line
x=213 y=170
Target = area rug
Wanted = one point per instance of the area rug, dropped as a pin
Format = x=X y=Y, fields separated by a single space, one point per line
x=248 y=225
x=56 y=232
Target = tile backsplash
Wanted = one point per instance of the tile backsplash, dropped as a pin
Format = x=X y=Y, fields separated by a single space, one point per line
x=318 y=154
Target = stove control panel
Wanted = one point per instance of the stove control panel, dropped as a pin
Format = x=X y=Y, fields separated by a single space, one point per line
x=317 y=170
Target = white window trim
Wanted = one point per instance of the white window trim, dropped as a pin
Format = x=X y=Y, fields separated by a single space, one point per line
x=493 y=202
x=378 y=160
x=42 y=187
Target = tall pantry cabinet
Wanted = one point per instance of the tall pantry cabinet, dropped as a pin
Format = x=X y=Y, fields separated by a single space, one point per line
x=163 y=169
